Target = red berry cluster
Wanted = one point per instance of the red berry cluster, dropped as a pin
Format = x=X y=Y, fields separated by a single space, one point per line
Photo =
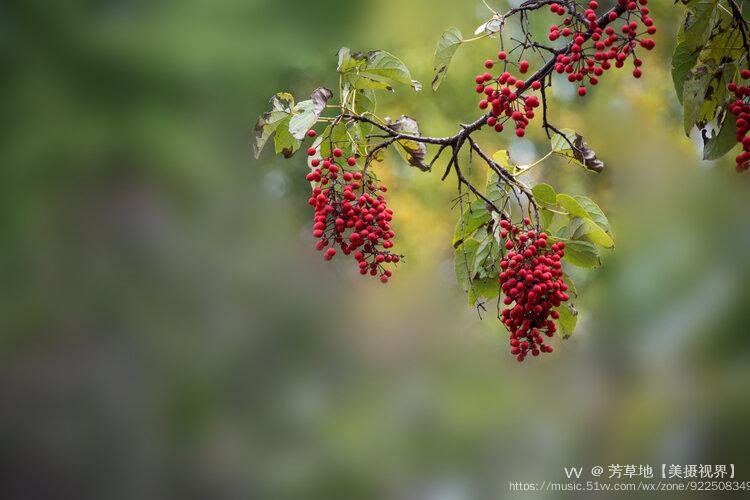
x=609 y=45
x=351 y=212
x=741 y=109
x=501 y=95
x=532 y=278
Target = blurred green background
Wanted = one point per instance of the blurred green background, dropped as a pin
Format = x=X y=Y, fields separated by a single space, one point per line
x=168 y=331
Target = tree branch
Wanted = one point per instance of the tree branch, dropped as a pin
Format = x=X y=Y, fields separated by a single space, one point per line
x=456 y=141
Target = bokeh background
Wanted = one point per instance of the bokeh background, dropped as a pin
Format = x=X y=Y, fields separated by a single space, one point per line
x=167 y=330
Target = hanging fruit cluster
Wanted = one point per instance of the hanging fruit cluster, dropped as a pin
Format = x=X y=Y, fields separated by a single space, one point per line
x=351 y=212
x=532 y=278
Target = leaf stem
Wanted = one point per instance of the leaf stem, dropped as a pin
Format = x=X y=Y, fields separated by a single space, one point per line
x=538 y=162
x=474 y=39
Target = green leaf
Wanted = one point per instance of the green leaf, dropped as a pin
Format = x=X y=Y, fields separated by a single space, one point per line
x=502 y=158
x=474 y=217
x=283 y=140
x=721 y=142
x=585 y=216
x=683 y=60
x=573 y=147
x=487 y=253
x=707 y=37
x=306 y=113
x=324 y=151
x=281 y=108
x=724 y=44
x=707 y=89
x=487 y=289
x=345 y=135
x=463 y=262
x=572 y=290
x=282 y=101
x=693 y=95
x=265 y=127
x=586 y=229
x=449 y=42
x=364 y=83
x=493 y=188
x=571 y=205
x=581 y=254
x=412 y=151
x=365 y=102
x=302 y=119
x=595 y=213
x=567 y=320
x=384 y=65
x=693 y=35
x=545 y=193
x=349 y=61
x=698 y=21
x=546 y=217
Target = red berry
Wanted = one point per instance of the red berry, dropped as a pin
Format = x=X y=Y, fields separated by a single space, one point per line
x=532 y=278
